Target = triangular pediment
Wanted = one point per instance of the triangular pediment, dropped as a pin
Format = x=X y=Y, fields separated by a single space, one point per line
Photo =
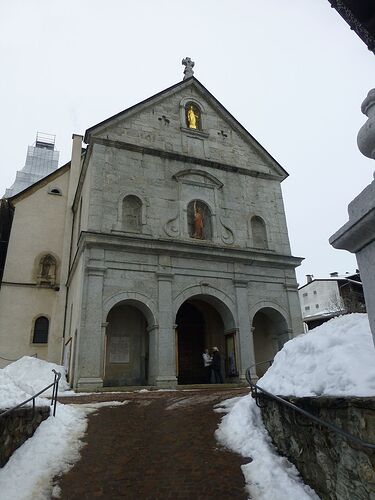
x=159 y=122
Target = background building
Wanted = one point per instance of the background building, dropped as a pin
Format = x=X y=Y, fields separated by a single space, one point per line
x=41 y=160
x=323 y=298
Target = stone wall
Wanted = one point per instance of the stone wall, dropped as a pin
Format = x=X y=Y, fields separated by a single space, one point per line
x=337 y=469
x=18 y=426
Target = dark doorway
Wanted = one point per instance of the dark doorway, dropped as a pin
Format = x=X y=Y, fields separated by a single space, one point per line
x=191 y=339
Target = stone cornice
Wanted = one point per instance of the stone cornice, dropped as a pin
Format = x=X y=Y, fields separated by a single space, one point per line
x=182 y=158
x=143 y=244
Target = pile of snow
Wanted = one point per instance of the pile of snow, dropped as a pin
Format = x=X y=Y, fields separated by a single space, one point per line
x=334 y=359
x=268 y=476
x=26 y=377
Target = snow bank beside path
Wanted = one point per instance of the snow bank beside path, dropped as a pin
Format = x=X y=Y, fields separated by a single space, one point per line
x=24 y=378
x=269 y=476
x=32 y=374
x=52 y=451
x=334 y=359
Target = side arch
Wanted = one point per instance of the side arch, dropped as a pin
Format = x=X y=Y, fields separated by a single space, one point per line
x=136 y=299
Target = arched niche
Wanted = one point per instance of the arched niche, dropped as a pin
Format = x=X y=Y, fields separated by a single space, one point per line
x=188 y=104
x=199 y=220
x=259 y=232
x=131 y=213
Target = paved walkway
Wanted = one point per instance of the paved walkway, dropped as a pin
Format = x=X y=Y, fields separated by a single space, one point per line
x=160 y=445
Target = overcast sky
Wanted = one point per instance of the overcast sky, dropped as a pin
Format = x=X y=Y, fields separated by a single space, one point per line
x=291 y=71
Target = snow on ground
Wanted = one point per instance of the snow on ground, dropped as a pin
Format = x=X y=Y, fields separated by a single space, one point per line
x=55 y=445
x=53 y=450
x=334 y=359
x=268 y=476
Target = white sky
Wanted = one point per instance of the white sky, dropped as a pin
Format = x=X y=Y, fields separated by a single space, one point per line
x=291 y=71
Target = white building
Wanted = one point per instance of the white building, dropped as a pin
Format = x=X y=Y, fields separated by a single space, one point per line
x=322 y=299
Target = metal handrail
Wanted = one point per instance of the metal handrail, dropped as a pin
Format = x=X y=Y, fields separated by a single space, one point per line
x=55 y=385
x=254 y=388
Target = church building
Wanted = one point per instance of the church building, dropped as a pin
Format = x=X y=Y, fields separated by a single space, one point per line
x=164 y=235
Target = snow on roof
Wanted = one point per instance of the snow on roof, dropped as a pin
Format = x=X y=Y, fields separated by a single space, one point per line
x=334 y=359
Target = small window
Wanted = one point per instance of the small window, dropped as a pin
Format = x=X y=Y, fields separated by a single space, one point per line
x=55 y=190
x=305 y=294
x=317 y=306
x=41 y=327
x=315 y=292
x=307 y=308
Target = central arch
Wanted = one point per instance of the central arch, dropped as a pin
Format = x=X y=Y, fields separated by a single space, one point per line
x=202 y=322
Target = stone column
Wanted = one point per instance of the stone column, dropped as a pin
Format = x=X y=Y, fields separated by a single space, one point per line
x=245 y=332
x=166 y=349
x=153 y=355
x=91 y=337
x=358 y=234
x=296 y=323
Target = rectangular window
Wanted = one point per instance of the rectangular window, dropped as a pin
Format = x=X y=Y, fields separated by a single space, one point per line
x=315 y=292
x=307 y=308
x=317 y=306
x=305 y=294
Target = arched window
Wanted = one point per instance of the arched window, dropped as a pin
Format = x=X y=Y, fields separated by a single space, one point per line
x=193 y=116
x=41 y=327
x=132 y=213
x=258 y=229
x=47 y=270
x=199 y=220
x=55 y=190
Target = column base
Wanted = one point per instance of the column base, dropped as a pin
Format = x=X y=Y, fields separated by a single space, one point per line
x=89 y=384
x=166 y=382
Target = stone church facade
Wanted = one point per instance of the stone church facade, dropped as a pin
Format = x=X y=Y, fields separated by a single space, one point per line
x=169 y=237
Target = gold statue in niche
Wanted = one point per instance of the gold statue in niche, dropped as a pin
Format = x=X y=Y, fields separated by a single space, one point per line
x=192 y=117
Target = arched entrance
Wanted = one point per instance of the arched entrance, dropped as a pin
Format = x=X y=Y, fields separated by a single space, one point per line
x=127 y=346
x=200 y=325
x=270 y=332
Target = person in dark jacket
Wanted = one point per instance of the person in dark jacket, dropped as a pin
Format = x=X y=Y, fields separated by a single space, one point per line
x=216 y=365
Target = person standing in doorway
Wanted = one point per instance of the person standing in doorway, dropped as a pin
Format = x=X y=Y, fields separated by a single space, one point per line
x=216 y=365
x=207 y=361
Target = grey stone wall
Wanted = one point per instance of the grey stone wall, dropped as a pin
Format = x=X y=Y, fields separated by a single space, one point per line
x=337 y=469
x=17 y=427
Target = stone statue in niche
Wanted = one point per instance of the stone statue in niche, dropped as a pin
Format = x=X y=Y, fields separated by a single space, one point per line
x=198 y=223
x=192 y=116
x=47 y=273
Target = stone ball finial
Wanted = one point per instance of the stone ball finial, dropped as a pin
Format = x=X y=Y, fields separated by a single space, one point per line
x=366 y=134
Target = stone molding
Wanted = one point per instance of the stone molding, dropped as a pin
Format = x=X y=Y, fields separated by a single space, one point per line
x=183 y=158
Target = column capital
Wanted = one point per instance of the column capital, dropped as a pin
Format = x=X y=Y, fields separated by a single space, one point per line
x=164 y=276
x=95 y=270
x=238 y=283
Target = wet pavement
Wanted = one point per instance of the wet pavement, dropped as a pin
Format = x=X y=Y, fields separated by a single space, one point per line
x=161 y=445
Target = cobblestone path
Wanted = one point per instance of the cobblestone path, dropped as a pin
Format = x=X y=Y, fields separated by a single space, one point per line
x=160 y=445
